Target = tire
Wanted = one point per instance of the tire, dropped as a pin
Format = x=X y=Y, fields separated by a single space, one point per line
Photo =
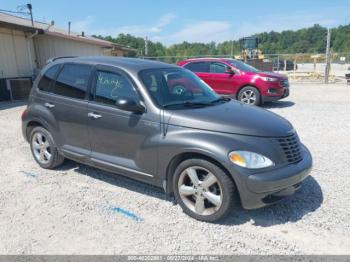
x=222 y=192
x=44 y=149
x=249 y=95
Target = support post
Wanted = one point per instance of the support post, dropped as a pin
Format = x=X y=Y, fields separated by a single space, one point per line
x=328 y=57
x=146 y=46
x=30 y=8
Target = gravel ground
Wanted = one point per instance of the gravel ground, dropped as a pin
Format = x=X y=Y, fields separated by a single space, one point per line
x=79 y=210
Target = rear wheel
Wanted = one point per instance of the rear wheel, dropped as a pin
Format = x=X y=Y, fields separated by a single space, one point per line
x=43 y=149
x=203 y=190
x=249 y=95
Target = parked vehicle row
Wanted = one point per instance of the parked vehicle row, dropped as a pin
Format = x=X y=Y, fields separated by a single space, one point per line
x=163 y=125
x=239 y=80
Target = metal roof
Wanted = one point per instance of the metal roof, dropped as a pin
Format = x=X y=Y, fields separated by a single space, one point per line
x=24 y=24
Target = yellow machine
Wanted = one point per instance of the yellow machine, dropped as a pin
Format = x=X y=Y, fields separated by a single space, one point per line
x=252 y=55
x=250 y=49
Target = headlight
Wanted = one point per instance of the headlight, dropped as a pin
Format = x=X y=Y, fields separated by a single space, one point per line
x=268 y=79
x=250 y=159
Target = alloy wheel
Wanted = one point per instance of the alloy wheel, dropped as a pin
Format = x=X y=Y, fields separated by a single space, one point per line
x=248 y=97
x=200 y=190
x=41 y=148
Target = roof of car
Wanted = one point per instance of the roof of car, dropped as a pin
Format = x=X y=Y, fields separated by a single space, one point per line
x=130 y=64
x=208 y=58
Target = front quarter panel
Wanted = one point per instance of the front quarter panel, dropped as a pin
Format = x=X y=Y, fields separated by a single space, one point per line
x=215 y=145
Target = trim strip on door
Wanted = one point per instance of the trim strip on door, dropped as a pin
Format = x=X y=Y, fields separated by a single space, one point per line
x=120 y=167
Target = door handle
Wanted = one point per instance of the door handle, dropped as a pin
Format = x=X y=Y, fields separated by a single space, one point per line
x=94 y=116
x=49 y=105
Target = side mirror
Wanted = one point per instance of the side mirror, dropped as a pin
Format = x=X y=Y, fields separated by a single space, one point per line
x=229 y=71
x=129 y=104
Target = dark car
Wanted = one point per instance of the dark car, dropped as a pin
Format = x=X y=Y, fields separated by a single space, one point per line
x=281 y=65
x=238 y=80
x=161 y=124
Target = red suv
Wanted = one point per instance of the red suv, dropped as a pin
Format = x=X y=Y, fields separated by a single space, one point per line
x=239 y=80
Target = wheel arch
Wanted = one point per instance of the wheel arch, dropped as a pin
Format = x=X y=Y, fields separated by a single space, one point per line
x=246 y=85
x=31 y=125
x=176 y=160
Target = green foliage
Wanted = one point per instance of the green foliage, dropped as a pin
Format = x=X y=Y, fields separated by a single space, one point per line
x=308 y=40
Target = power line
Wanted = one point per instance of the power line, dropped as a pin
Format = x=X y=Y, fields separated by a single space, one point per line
x=14 y=12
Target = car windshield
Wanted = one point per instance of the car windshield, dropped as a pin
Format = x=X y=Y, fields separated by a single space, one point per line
x=242 y=66
x=177 y=88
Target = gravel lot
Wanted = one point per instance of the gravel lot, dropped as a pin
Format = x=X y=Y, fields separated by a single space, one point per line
x=79 y=210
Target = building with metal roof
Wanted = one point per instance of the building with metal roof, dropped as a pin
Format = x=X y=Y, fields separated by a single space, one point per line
x=25 y=48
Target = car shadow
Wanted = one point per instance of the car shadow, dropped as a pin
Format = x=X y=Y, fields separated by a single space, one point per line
x=116 y=180
x=7 y=105
x=306 y=200
x=278 y=104
x=293 y=208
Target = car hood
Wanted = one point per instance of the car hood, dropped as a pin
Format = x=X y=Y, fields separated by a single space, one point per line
x=232 y=117
x=272 y=74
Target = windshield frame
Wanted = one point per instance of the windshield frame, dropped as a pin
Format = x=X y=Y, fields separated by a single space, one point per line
x=178 y=104
x=247 y=67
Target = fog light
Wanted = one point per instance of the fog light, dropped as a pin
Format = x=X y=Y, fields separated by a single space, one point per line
x=272 y=91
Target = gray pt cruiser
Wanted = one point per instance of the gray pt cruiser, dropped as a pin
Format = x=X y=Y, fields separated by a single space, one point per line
x=161 y=124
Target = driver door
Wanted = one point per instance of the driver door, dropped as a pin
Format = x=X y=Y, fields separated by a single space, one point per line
x=120 y=140
x=221 y=81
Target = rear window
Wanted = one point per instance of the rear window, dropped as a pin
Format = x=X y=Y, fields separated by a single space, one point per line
x=73 y=81
x=47 y=79
x=198 y=67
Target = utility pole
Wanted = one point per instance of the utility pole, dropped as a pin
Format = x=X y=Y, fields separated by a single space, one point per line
x=232 y=48
x=146 y=46
x=30 y=8
x=69 y=25
x=328 y=57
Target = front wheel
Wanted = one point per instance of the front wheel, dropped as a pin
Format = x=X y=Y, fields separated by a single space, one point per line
x=249 y=95
x=203 y=190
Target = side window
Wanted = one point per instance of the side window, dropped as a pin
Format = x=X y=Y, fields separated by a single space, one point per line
x=202 y=67
x=73 y=81
x=217 y=68
x=110 y=86
x=47 y=78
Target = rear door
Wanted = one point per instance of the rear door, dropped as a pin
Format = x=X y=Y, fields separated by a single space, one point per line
x=121 y=141
x=68 y=104
x=201 y=69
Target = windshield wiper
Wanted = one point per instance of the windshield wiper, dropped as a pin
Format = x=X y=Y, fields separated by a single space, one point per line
x=187 y=104
x=221 y=99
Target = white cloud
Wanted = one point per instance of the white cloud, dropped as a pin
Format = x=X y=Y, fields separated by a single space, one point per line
x=163 y=22
x=209 y=30
x=280 y=23
x=203 y=31
x=83 y=25
x=88 y=26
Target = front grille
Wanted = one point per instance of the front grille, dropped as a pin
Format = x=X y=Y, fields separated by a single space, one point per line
x=290 y=146
x=284 y=83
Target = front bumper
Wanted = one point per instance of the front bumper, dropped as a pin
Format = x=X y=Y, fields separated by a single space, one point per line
x=271 y=98
x=261 y=189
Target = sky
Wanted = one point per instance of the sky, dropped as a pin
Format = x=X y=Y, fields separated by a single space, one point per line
x=175 y=21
